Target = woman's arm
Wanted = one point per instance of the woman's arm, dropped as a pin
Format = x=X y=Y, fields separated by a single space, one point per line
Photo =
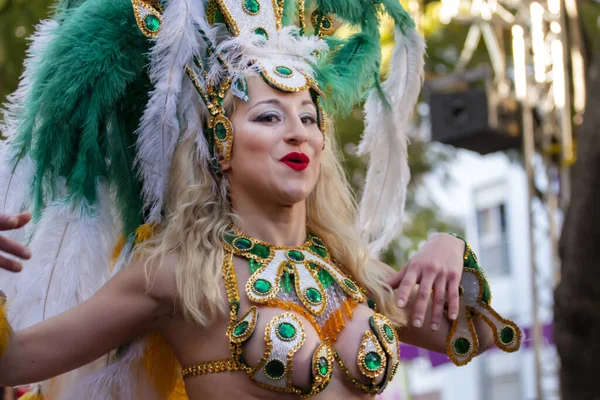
x=424 y=286
x=118 y=312
x=435 y=340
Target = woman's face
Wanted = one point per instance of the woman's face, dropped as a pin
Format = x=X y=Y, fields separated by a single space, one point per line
x=277 y=145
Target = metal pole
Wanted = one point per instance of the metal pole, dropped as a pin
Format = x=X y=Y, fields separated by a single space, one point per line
x=521 y=46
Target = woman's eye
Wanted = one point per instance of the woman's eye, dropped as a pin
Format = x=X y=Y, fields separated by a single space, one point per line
x=268 y=118
x=308 y=120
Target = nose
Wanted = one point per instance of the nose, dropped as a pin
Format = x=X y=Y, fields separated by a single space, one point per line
x=296 y=132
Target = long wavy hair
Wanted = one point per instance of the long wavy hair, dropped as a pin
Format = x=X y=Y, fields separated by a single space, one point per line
x=198 y=212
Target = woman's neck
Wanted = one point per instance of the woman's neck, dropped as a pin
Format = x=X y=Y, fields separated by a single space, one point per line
x=275 y=224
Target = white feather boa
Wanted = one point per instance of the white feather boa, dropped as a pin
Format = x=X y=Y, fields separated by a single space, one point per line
x=385 y=141
x=72 y=249
x=123 y=379
x=175 y=47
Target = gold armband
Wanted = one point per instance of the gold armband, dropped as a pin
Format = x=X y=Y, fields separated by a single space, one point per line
x=4 y=325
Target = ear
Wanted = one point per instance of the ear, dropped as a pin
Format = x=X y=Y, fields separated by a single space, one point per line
x=224 y=164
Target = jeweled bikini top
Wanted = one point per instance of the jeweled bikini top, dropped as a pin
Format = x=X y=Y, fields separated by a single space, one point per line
x=306 y=280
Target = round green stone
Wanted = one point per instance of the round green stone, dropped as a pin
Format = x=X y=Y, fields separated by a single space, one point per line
x=389 y=333
x=350 y=285
x=372 y=361
x=323 y=366
x=262 y=286
x=295 y=255
x=507 y=335
x=251 y=6
x=262 y=32
x=462 y=346
x=221 y=132
x=152 y=22
x=283 y=70
x=242 y=243
x=325 y=23
x=275 y=369
x=286 y=330
x=240 y=329
x=313 y=295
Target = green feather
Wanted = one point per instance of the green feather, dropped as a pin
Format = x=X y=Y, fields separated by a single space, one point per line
x=401 y=17
x=348 y=71
x=89 y=72
x=356 y=12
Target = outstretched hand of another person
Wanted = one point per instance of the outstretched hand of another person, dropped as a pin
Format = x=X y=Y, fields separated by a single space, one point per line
x=437 y=269
x=7 y=246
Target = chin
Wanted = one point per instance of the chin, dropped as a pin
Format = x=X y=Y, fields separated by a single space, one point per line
x=294 y=195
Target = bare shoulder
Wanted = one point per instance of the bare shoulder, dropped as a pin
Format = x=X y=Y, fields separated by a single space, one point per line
x=159 y=276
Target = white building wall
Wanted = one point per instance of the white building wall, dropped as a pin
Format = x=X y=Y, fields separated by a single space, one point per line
x=481 y=182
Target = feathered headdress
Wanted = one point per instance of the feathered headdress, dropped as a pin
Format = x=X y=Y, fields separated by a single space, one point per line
x=110 y=86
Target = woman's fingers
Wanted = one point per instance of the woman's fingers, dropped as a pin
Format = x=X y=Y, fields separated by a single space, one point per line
x=10 y=265
x=409 y=281
x=453 y=296
x=439 y=299
x=14 y=248
x=422 y=299
x=8 y=222
x=395 y=280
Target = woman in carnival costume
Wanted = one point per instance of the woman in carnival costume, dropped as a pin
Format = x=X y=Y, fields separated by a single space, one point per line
x=198 y=133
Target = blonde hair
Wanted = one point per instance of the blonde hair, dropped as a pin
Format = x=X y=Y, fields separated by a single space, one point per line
x=198 y=212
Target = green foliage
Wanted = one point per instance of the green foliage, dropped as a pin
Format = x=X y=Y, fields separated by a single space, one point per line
x=17 y=19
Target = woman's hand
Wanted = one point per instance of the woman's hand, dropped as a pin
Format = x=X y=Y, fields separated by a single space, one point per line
x=436 y=266
x=9 y=222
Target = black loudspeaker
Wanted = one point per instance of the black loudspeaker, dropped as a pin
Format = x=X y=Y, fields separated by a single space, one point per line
x=473 y=120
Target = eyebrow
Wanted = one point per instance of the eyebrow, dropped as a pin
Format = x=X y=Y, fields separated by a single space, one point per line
x=278 y=102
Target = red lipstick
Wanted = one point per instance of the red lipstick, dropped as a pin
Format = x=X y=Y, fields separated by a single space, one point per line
x=296 y=161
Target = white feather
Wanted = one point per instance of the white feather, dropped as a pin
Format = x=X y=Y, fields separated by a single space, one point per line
x=124 y=379
x=385 y=141
x=178 y=41
x=71 y=250
x=240 y=52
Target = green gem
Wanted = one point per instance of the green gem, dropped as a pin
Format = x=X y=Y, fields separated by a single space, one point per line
x=372 y=361
x=325 y=278
x=283 y=70
x=286 y=281
x=221 y=131
x=251 y=6
x=253 y=265
x=295 y=255
x=261 y=250
x=462 y=346
x=350 y=285
x=275 y=369
x=389 y=333
x=318 y=241
x=242 y=243
x=240 y=329
x=286 y=330
x=323 y=366
x=319 y=250
x=313 y=295
x=262 y=286
x=507 y=335
x=262 y=32
x=371 y=304
x=152 y=23
x=325 y=23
